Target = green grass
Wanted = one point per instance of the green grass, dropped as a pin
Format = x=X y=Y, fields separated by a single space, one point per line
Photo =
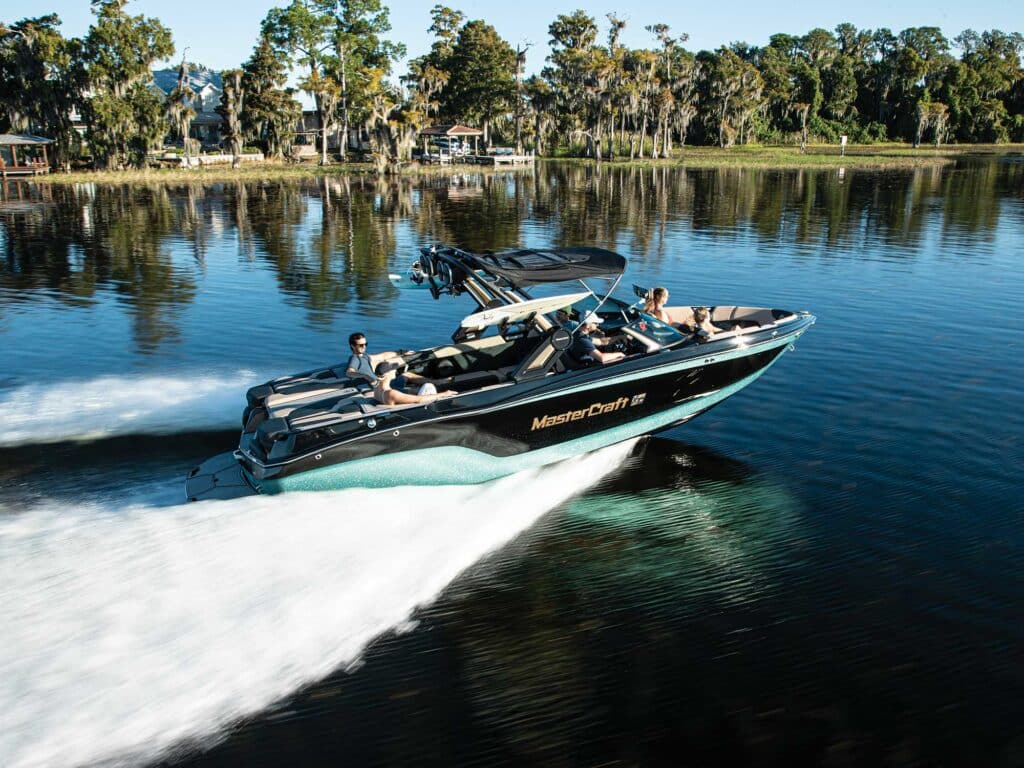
x=879 y=156
x=252 y=172
x=892 y=155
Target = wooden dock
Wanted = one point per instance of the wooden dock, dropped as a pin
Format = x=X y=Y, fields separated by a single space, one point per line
x=32 y=169
x=498 y=159
x=477 y=159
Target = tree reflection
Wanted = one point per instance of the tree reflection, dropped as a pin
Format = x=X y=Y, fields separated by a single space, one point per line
x=132 y=250
x=475 y=211
x=96 y=240
x=330 y=241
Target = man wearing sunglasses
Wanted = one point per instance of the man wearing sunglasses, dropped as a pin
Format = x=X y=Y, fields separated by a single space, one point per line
x=360 y=365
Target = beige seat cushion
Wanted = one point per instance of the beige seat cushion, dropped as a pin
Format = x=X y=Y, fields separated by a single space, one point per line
x=680 y=315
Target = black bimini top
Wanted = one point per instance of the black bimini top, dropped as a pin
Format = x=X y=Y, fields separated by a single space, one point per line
x=530 y=267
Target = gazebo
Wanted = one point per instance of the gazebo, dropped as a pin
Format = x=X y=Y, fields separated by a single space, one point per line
x=455 y=131
x=19 y=155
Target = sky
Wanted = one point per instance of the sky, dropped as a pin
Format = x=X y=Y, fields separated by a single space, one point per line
x=221 y=35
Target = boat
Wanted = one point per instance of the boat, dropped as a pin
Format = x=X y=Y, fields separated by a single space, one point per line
x=523 y=396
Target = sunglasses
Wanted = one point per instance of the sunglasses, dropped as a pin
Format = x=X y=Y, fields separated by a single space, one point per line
x=360 y=344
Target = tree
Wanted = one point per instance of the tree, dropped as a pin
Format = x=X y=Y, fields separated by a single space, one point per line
x=124 y=118
x=856 y=48
x=642 y=68
x=327 y=88
x=520 y=71
x=360 y=54
x=733 y=88
x=667 y=99
x=840 y=87
x=776 y=63
x=430 y=73
x=995 y=56
x=232 y=101
x=180 y=110
x=304 y=30
x=979 y=89
x=445 y=26
x=391 y=123
x=921 y=54
x=269 y=113
x=684 y=88
x=619 y=91
x=931 y=114
x=542 y=102
x=40 y=83
x=572 y=70
x=482 y=85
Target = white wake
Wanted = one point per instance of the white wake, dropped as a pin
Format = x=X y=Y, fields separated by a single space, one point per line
x=126 y=631
x=122 y=405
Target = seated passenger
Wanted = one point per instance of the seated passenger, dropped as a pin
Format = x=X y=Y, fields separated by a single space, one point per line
x=563 y=317
x=360 y=364
x=655 y=305
x=583 y=347
x=386 y=393
x=702 y=326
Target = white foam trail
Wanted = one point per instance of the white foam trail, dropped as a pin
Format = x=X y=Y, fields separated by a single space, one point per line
x=122 y=405
x=125 y=632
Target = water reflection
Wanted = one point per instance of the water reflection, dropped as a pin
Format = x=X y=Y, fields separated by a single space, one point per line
x=848 y=593
x=679 y=533
x=328 y=242
x=525 y=651
x=111 y=239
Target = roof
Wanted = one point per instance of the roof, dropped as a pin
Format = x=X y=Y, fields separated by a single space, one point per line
x=198 y=78
x=533 y=267
x=456 y=129
x=6 y=139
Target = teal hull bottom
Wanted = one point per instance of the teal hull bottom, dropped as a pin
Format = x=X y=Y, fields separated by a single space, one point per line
x=455 y=465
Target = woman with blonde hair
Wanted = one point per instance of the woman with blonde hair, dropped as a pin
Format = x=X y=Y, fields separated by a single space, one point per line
x=655 y=305
x=702 y=322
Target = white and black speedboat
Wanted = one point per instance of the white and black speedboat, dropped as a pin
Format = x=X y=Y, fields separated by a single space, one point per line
x=524 y=398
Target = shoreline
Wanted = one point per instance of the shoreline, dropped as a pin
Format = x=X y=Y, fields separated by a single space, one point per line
x=872 y=157
x=818 y=156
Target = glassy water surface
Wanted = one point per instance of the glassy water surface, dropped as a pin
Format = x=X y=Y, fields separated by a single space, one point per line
x=827 y=569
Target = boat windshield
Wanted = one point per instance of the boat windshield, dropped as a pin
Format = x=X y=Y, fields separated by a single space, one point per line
x=662 y=333
x=591 y=302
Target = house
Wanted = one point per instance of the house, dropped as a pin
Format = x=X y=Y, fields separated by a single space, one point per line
x=208 y=87
x=206 y=125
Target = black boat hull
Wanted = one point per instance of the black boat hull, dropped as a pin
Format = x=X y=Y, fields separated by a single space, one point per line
x=485 y=435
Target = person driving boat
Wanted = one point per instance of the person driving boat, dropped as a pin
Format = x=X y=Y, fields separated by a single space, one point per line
x=583 y=347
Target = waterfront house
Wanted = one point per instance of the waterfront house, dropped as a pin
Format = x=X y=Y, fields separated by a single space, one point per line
x=208 y=87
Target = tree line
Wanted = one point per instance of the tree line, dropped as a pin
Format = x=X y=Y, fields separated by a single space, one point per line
x=594 y=96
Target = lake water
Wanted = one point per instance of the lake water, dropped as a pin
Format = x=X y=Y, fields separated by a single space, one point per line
x=826 y=569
